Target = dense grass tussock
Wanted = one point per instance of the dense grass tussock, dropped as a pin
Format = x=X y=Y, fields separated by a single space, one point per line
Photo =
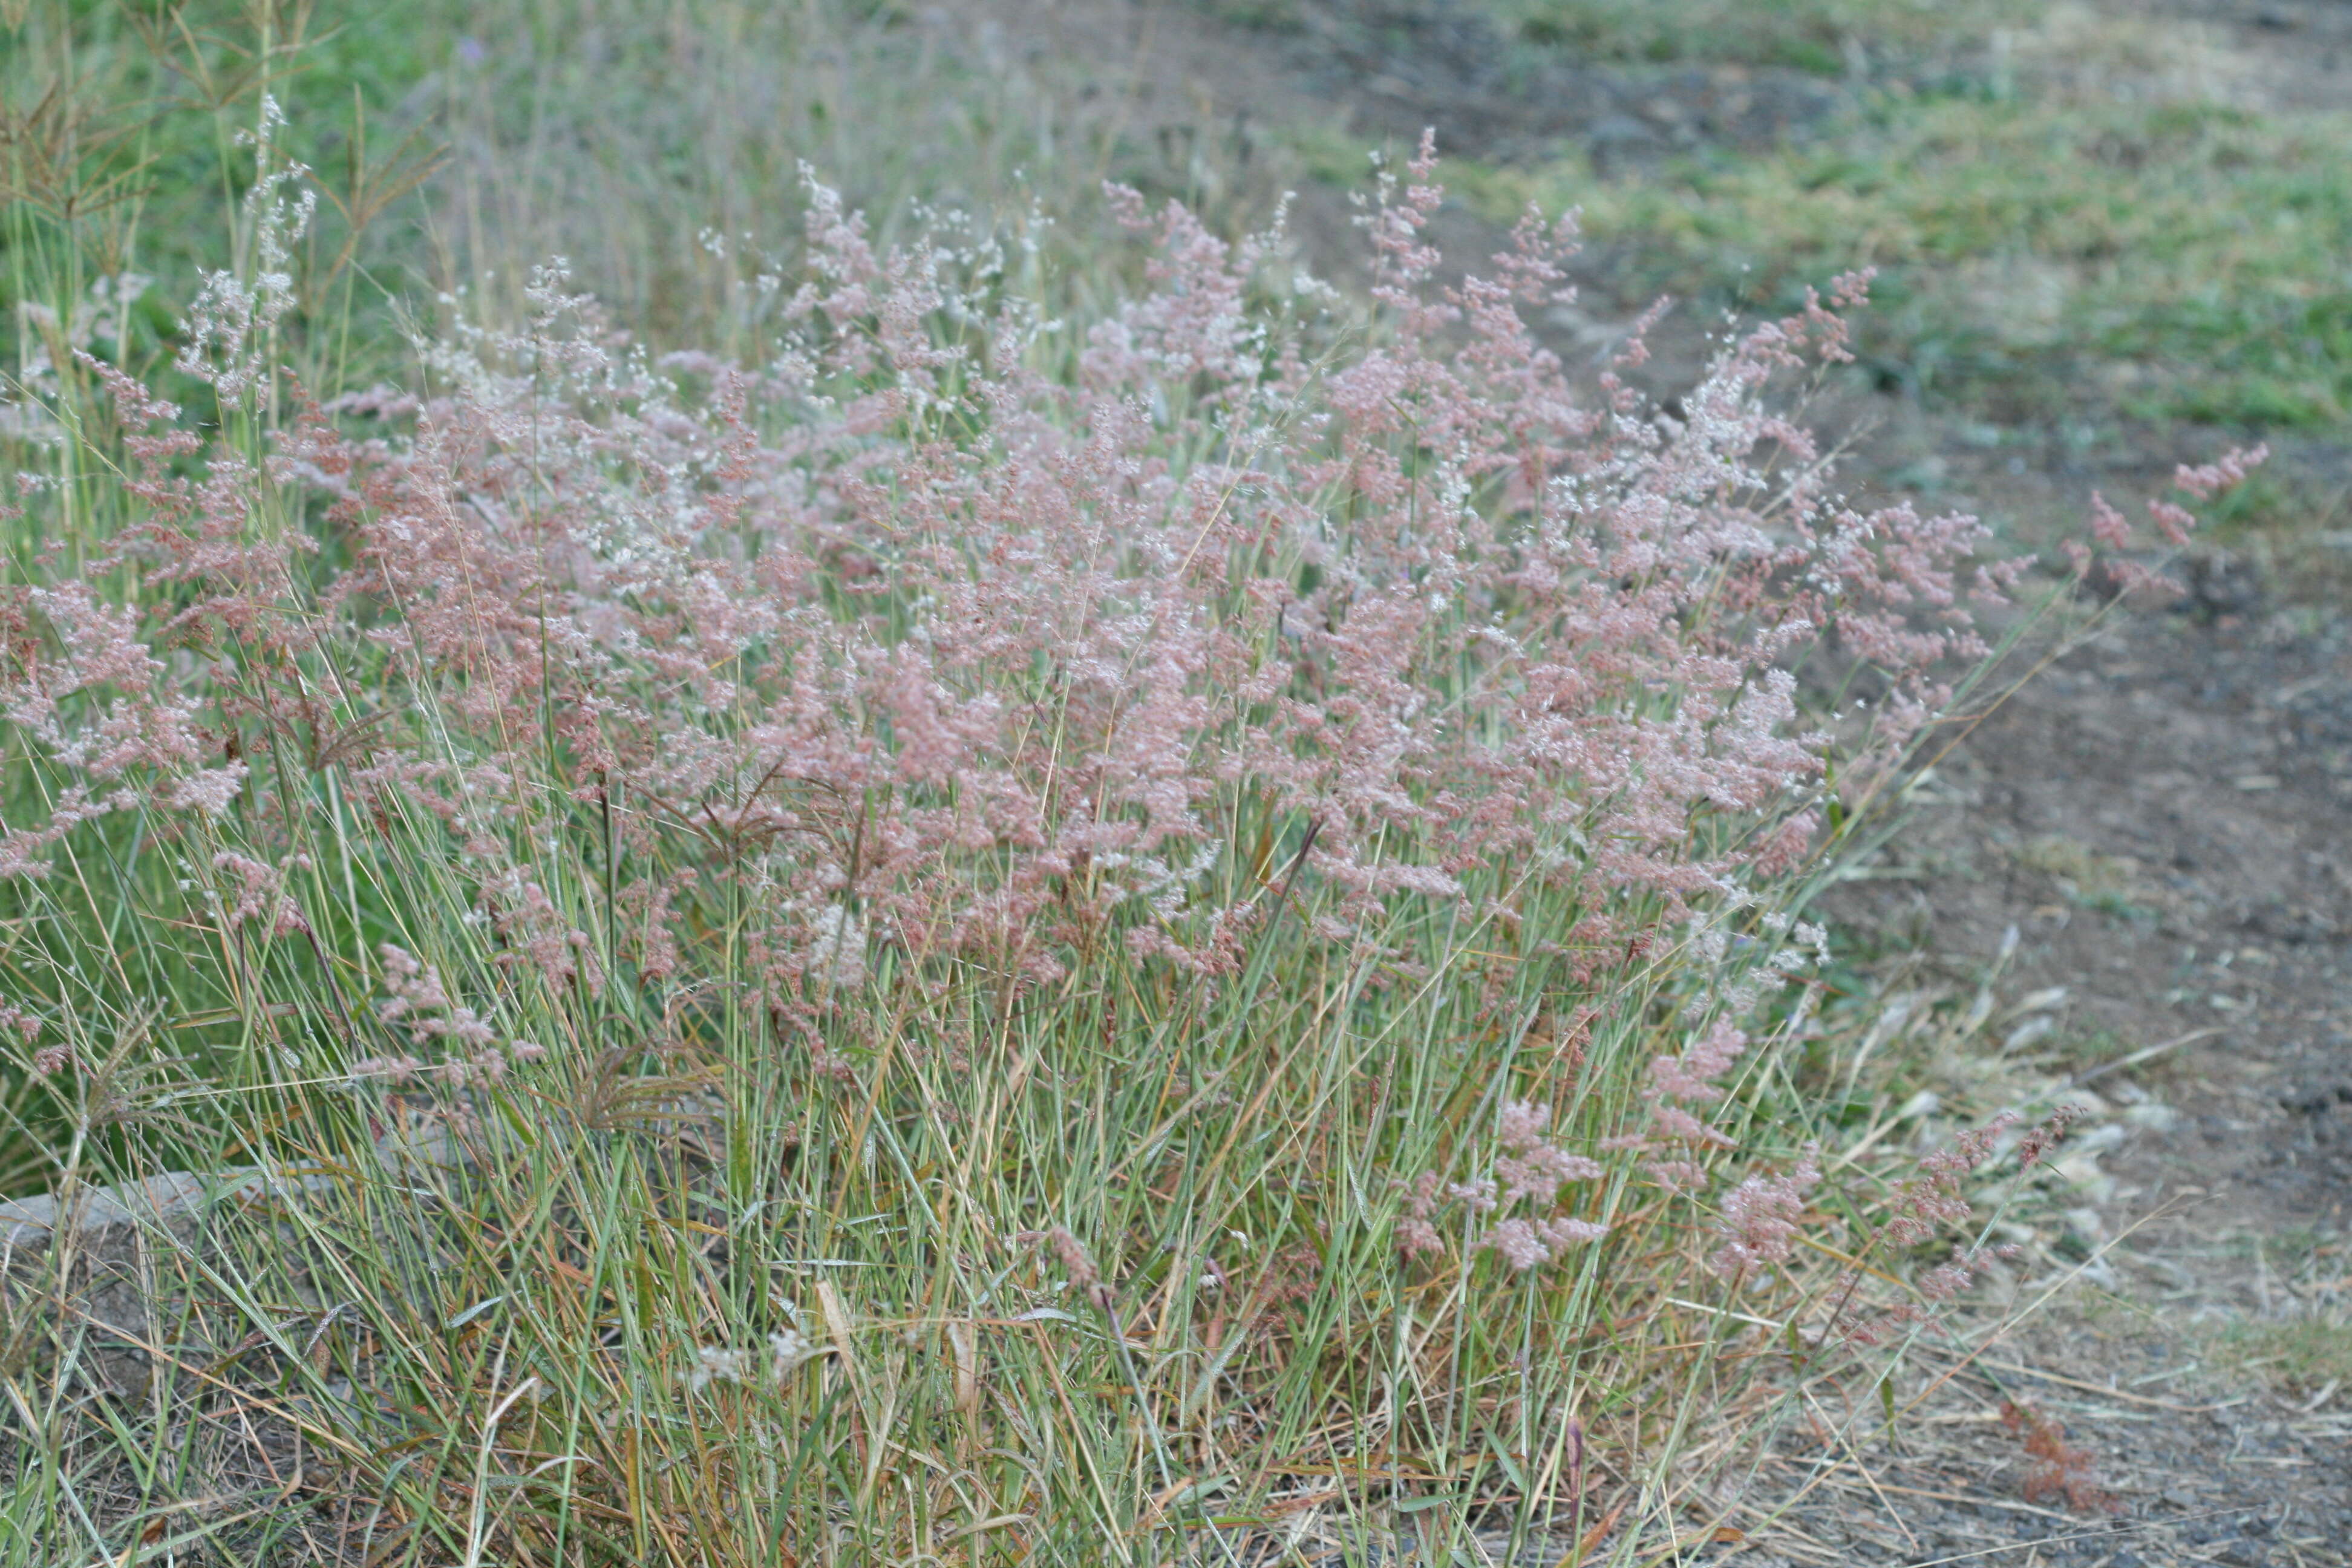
x=973 y=937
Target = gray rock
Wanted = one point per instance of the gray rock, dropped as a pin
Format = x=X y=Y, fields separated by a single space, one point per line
x=100 y=1265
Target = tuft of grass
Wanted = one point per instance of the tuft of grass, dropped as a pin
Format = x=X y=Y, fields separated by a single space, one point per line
x=2111 y=885
x=2300 y=1356
x=954 y=1250
x=770 y=1254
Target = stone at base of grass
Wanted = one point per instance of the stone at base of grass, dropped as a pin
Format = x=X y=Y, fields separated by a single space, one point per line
x=88 y=1268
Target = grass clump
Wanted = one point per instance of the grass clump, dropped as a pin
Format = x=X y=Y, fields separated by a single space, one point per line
x=2112 y=885
x=943 y=928
x=2306 y=1356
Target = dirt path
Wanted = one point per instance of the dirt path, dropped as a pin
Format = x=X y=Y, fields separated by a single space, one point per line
x=2162 y=815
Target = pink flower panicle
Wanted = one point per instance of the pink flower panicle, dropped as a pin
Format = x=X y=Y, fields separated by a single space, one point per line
x=1932 y=1202
x=559 y=527
x=1416 y=1232
x=1761 y=1217
x=2207 y=480
x=1934 y=1199
x=260 y=891
x=1691 y=1077
x=1533 y=1169
x=1526 y=1244
x=1529 y=1171
x=419 y=1003
x=2111 y=530
x=2046 y=1135
x=1085 y=1277
x=1945 y=1281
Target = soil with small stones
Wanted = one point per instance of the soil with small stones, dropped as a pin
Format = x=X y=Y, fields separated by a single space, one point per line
x=2163 y=814
x=2193 y=769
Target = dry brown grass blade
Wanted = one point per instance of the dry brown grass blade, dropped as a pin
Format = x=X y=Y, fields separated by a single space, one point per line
x=1593 y=1537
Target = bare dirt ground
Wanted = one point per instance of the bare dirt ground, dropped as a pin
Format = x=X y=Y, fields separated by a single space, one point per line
x=2161 y=814
x=2164 y=815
